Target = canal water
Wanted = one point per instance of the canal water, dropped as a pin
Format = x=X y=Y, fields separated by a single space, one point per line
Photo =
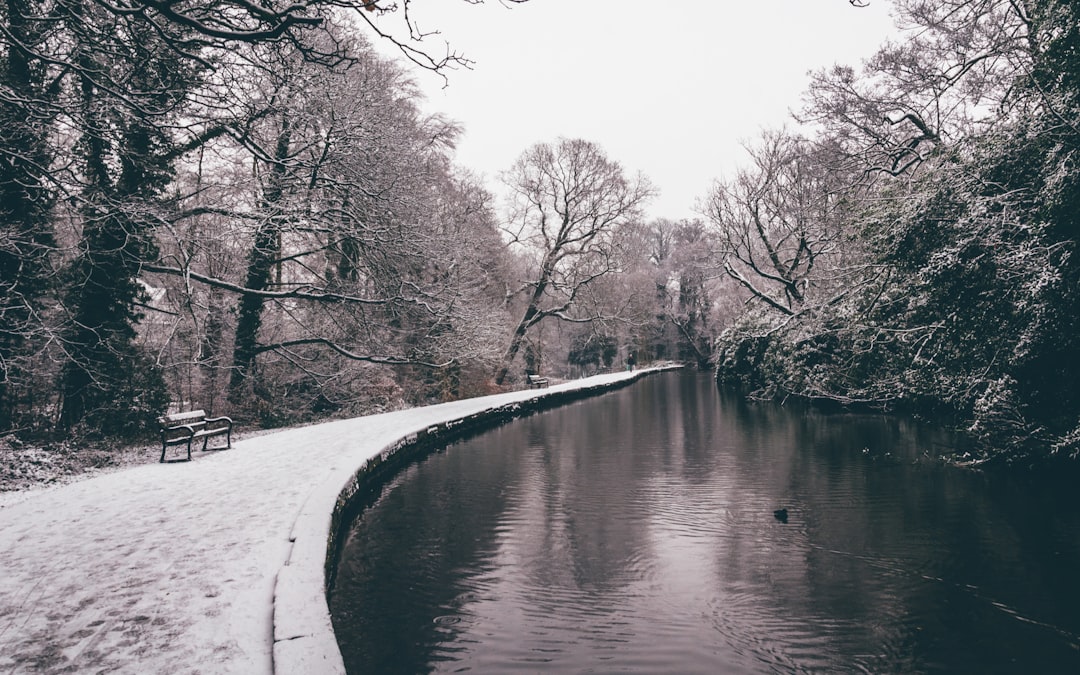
x=637 y=532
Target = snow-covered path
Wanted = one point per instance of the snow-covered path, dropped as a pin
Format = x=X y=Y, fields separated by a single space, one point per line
x=172 y=568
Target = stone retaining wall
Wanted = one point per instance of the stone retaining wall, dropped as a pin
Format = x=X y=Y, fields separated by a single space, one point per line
x=304 y=641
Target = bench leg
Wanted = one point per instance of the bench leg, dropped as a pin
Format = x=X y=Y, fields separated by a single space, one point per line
x=164 y=445
x=228 y=440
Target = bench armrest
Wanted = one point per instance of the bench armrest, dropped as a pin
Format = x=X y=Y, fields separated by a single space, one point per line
x=189 y=428
x=214 y=420
x=178 y=430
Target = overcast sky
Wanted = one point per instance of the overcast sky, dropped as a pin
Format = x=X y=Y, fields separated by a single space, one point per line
x=669 y=88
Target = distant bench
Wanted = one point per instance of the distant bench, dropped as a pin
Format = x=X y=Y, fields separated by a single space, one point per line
x=187 y=427
x=534 y=380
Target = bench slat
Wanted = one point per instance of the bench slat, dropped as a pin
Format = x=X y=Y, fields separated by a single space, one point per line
x=180 y=418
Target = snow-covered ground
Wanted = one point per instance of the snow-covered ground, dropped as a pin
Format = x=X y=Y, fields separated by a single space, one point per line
x=211 y=566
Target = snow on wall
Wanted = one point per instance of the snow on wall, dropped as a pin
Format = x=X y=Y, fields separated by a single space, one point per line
x=304 y=639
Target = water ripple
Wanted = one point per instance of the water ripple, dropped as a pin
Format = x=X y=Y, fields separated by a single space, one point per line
x=636 y=533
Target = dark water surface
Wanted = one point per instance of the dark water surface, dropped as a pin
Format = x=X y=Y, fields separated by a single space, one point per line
x=635 y=532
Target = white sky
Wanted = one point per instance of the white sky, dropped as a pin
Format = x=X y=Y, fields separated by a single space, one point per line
x=669 y=88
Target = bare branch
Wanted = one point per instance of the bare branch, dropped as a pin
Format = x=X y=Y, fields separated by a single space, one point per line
x=304 y=293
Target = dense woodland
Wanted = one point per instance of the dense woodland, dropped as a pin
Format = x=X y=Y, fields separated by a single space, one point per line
x=917 y=249
x=244 y=207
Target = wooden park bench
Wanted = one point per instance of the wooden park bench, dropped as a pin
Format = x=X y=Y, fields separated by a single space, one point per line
x=186 y=427
x=534 y=380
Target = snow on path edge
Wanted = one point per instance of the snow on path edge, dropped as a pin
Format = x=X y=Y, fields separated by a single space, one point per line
x=304 y=640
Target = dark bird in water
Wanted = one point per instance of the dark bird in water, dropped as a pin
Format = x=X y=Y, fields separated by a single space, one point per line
x=781 y=515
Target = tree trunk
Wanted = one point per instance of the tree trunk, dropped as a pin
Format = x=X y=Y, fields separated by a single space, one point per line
x=547 y=268
x=515 y=343
x=264 y=254
x=212 y=348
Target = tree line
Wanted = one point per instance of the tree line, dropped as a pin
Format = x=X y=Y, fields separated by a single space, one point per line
x=242 y=207
x=914 y=246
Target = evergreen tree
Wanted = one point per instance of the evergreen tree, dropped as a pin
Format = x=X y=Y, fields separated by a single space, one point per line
x=26 y=197
x=127 y=158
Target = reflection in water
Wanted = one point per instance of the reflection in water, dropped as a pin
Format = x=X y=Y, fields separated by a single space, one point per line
x=636 y=532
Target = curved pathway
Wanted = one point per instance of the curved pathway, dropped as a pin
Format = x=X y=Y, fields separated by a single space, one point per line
x=172 y=568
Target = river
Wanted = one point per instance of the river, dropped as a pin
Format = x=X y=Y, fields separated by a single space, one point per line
x=638 y=532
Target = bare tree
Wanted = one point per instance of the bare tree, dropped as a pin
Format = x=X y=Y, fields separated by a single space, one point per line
x=104 y=104
x=777 y=221
x=569 y=201
x=360 y=246
x=689 y=292
x=953 y=74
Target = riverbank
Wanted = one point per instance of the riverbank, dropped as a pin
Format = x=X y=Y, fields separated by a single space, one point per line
x=215 y=565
